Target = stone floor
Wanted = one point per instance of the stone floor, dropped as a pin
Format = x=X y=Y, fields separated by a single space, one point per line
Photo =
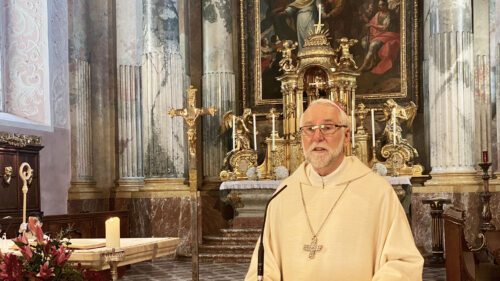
x=174 y=270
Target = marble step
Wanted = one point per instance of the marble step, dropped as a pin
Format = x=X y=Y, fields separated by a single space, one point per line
x=227 y=249
x=225 y=258
x=218 y=240
x=242 y=232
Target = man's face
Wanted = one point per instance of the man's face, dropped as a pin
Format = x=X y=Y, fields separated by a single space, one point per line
x=324 y=152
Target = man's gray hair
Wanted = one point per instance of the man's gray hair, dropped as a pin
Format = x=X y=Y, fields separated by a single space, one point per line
x=343 y=118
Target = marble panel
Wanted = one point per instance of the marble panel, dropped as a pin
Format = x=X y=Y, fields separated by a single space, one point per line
x=160 y=26
x=215 y=214
x=162 y=217
x=87 y=205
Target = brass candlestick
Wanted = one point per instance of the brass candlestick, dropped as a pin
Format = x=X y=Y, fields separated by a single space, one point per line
x=273 y=165
x=114 y=257
x=486 y=224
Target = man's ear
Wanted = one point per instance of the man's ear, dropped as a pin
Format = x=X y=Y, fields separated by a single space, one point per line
x=347 y=136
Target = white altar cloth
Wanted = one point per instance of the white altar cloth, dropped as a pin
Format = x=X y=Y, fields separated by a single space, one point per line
x=400 y=180
x=263 y=184
x=136 y=250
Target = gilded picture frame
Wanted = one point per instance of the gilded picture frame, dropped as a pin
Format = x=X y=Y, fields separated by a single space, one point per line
x=401 y=82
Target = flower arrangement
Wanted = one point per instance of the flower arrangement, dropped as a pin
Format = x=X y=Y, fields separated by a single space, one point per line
x=43 y=259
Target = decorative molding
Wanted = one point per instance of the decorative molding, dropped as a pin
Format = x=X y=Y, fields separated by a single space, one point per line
x=20 y=140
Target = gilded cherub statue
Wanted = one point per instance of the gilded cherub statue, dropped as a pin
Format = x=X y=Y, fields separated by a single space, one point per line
x=242 y=130
x=346 y=60
x=286 y=62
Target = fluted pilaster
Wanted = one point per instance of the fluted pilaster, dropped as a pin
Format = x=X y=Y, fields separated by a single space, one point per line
x=129 y=106
x=218 y=83
x=129 y=122
x=452 y=125
x=81 y=128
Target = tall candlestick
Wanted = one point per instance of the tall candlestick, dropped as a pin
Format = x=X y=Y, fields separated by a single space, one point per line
x=254 y=132
x=113 y=232
x=234 y=132
x=373 y=127
x=353 y=125
x=394 y=126
x=273 y=146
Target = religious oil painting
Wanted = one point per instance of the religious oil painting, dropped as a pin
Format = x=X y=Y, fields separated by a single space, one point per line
x=386 y=52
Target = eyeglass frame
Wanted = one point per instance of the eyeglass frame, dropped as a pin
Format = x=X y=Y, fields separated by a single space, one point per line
x=320 y=127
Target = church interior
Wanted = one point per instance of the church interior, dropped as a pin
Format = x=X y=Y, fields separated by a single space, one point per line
x=181 y=117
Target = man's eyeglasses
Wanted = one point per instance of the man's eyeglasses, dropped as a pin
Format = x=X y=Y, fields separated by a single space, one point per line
x=326 y=129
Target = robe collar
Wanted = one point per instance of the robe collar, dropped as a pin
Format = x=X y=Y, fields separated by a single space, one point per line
x=349 y=170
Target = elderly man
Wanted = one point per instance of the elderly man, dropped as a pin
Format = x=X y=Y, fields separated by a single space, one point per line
x=334 y=219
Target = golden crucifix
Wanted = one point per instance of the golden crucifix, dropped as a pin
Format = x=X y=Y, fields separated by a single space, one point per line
x=190 y=115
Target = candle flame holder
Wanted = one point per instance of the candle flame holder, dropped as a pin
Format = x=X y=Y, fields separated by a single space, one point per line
x=486 y=216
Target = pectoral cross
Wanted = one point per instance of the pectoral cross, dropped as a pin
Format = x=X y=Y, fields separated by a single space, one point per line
x=313 y=247
x=190 y=115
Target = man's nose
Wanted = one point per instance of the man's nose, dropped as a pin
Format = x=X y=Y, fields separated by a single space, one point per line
x=318 y=135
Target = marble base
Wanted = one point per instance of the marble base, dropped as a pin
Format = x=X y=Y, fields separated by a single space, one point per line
x=161 y=217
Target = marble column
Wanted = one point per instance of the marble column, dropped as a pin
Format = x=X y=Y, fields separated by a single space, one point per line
x=451 y=87
x=162 y=88
x=129 y=114
x=218 y=82
x=83 y=185
x=161 y=206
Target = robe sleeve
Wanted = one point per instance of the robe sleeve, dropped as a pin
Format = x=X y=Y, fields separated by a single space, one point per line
x=272 y=270
x=398 y=258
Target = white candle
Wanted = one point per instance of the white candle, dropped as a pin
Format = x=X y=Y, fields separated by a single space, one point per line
x=254 y=132
x=273 y=147
x=373 y=127
x=319 y=23
x=113 y=232
x=394 y=126
x=234 y=132
x=353 y=124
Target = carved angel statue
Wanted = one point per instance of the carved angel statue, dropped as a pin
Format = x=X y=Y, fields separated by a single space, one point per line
x=346 y=60
x=286 y=63
x=241 y=126
x=404 y=113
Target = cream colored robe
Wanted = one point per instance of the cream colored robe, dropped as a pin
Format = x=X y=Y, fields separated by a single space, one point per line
x=366 y=237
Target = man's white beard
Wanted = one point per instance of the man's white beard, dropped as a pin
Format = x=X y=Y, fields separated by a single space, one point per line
x=322 y=161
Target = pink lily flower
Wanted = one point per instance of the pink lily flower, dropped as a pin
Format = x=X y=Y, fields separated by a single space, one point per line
x=36 y=228
x=61 y=256
x=10 y=268
x=24 y=247
x=45 y=272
